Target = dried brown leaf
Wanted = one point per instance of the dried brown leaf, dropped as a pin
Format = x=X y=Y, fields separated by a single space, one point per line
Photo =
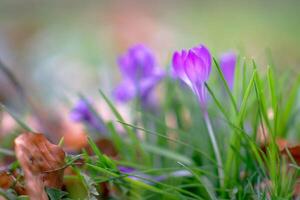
x=42 y=163
x=8 y=180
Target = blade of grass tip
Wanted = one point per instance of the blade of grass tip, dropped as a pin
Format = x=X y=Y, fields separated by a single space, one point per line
x=244 y=76
x=237 y=77
x=17 y=119
x=209 y=192
x=270 y=75
x=261 y=97
x=262 y=106
x=245 y=98
x=274 y=96
x=130 y=132
x=61 y=142
x=226 y=86
x=289 y=107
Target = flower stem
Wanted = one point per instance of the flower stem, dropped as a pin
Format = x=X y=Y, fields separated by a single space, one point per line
x=215 y=147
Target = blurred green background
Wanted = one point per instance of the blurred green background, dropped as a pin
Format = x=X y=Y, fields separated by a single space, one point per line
x=57 y=48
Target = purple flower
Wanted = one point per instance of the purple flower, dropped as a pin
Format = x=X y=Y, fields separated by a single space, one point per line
x=82 y=112
x=193 y=67
x=140 y=74
x=227 y=65
x=126 y=170
x=135 y=174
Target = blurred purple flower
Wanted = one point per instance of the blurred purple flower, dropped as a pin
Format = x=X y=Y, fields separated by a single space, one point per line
x=193 y=67
x=126 y=170
x=82 y=112
x=227 y=65
x=140 y=74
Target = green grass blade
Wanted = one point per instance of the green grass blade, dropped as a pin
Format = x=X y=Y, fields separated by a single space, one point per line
x=283 y=130
x=261 y=98
x=243 y=107
x=226 y=86
x=272 y=87
x=217 y=102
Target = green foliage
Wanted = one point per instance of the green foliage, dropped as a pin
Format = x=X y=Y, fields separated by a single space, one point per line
x=169 y=152
x=56 y=194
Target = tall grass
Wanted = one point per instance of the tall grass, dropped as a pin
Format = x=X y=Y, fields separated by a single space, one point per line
x=179 y=162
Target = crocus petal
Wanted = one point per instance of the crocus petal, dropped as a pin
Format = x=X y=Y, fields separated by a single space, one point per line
x=227 y=65
x=137 y=62
x=125 y=66
x=205 y=55
x=147 y=84
x=75 y=116
x=125 y=91
x=195 y=68
x=143 y=59
x=178 y=66
x=82 y=112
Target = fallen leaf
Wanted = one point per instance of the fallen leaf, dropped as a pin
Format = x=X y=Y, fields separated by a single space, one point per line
x=42 y=163
x=286 y=148
x=8 y=180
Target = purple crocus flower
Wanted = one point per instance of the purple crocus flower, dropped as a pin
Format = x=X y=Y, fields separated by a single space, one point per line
x=227 y=65
x=140 y=74
x=193 y=67
x=82 y=112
